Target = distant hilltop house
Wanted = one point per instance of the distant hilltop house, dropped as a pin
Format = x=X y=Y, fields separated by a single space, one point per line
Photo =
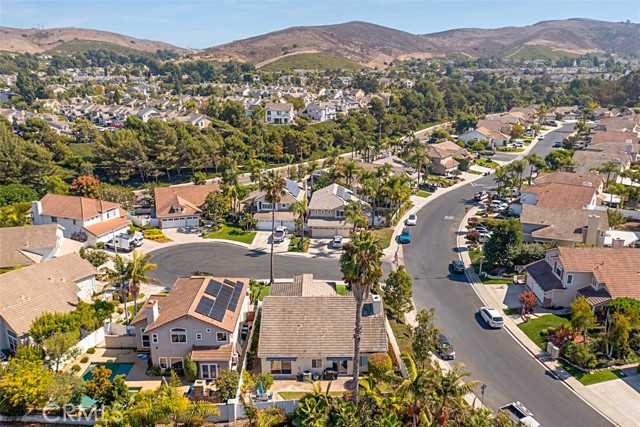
x=99 y=220
x=279 y=113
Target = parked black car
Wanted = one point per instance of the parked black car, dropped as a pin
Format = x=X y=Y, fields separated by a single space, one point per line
x=445 y=349
x=330 y=374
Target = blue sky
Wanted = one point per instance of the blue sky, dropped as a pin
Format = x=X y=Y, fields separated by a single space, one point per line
x=205 y=23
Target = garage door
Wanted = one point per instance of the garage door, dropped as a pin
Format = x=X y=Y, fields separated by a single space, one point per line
x=328 y=232
x=173 y=223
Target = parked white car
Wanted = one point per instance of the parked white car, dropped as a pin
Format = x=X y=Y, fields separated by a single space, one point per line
x=337 y=242
x=279 y=234
x=412 y=220
x=492 y=317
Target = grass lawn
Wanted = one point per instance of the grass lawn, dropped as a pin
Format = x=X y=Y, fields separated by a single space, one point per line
x=341 y=289
x=487 y=163
x=533 y=327
x=474 y=172
x=488 y=281
x=384 y=234
x=231 y=232
x=289 y=395
x=594 y=378
x=423 y=194
x=475 y=256
x=403 y=334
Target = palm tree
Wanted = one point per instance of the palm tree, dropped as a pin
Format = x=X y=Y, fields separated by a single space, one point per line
x=349 y=170
x=501 y=177
x=416 y=387
x=119 y=276
x=361 y=266
x=312 y=166
x=518 y=167
x=451 y=390
x=299 y=208
x=420 y=158
x=607 y=168
x=632 y=174
x=274 y=187
x=255 y=168
x=535 y=162
x=137 y=271
x=354 y=214
x=622 y=191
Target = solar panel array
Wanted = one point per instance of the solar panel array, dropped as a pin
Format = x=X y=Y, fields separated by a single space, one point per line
x=226 y=297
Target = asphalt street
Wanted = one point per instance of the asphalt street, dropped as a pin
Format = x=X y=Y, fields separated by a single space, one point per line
x=491 y=356
x=233 y=261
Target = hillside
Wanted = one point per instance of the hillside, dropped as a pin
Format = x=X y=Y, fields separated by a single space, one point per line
x=373 y=45
x=35 y=41
x=310 y=61
x=368 y=44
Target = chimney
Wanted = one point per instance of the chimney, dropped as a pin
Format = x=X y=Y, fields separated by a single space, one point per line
x=152 y=311
x=592 y=230
x=617 y=243
x=377 y=304
x=36 y=212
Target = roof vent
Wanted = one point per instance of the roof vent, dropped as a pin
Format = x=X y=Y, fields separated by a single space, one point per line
x=587 y=184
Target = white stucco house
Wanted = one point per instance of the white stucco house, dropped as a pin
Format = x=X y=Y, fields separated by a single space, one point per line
x=279 y=113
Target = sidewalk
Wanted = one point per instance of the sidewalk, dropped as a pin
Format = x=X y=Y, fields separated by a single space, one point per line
x=488 y=299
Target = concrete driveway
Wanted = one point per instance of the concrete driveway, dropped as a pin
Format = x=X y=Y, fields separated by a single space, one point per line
x=323 y=248
x=622 y=394
x=262 y=241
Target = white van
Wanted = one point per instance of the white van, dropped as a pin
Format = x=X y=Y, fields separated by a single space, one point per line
x=492 y=317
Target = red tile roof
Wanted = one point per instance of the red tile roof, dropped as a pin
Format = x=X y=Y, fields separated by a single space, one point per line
x=74 y=207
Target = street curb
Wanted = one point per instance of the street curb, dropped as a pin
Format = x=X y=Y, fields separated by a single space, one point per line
x=524 y=345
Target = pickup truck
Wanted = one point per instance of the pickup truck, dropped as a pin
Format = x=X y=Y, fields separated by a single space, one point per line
x=124 y=242
x=519 y=414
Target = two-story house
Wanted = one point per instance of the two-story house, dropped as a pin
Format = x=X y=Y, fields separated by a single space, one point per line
x=326 y=211
x=563 y=226
x=98 y=220
x=321 y=111
x=558 y=195
x=54 y=286
x=443 y=157
x=262 y=210
x=305 y=327
x=23 y=246
x=180 y=206
x=200 y=317
x=600 y=274
x=279 y=113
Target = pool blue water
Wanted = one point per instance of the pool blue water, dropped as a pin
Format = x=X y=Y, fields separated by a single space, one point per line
x=116 y=369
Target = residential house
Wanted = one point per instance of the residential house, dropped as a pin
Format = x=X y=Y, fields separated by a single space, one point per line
x=200 y=317
x=590 y=179
x=180 y=206
x=262 y=210
x=279 y=113
x=342 y=81
x=199 y=120
x=98 y=220
x=599 y=274
x=321 y=111
x=563 y=226
x=618 y=137
x=326 y=211
x=307 y=327
x=483 y=134
x=557 y=195
x=595 y=155
x=619 y=124
x=443 y=156
x=568 y=113
x=24 y=246
x=148 y=113
x=53 y=286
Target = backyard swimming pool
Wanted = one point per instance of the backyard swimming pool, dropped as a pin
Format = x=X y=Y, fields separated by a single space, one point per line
x=115 y=368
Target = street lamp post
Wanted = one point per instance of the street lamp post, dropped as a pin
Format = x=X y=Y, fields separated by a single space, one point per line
x=481 y=258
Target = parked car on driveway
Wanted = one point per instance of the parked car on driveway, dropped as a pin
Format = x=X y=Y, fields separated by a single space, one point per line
x=337 y=242
x=412 y=220
x=457 y=266
x=492 y=317
x=445 y=349
x=405 y=237
x=519 y=414
x=279 y=234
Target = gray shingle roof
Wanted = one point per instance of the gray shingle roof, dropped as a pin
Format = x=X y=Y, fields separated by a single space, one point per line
x=541 y=272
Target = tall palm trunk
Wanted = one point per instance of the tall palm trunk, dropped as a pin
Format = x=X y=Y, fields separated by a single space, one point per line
x=357 y=336
x=273 y=232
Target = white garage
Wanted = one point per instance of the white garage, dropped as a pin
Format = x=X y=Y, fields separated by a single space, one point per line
x=327 y=228
x=283 y=218
x=182 y=221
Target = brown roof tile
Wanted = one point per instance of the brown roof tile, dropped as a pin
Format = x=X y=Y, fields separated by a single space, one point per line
x=556 y=195
x=15 y=241
x=74 y=207
x=102 y=228
x=209 y=353
x=190 y=197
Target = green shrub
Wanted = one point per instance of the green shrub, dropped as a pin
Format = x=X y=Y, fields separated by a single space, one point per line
x=75 y=368
x=248 y=382
x=91 y=350
x=155 y=371
x=379 y=364
x=580 y=355
x=227 y=384
x=190 y=369
x=266 y=378
x=100 y=245
x=85 y=359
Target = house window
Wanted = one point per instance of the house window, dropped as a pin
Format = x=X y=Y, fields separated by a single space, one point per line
x=178 y=335
x=267 y=206
x=154 y=338
x=144 y=338
x=221 y=336
x=283 y=205
x=316 y=363
x=162 y=362
x=54 y=219
x=13 y=340
x=209 y=371
x=199 y=337
x=569 y=279
x=339 y=214
x=558 y=270
x=74 y=222
x=281 y=367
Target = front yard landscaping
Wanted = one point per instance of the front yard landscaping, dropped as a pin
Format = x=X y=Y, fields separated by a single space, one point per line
x=594 y=378
x=295 y=245
x=403 y=334
x=231 y=232
x=385 y=235
x=488 y=281
x=487 y=163
x=289 y=395
x=534 y=327
x=423 y=194
x=156 y=235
